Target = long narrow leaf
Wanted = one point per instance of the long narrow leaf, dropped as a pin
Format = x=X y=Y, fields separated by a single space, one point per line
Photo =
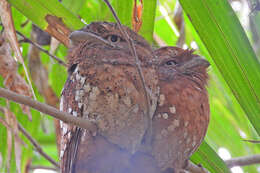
x=73 y=5
x=124 y=11
x=226 y=41
x=149 y=9
x=207 y=157
x=43 y=8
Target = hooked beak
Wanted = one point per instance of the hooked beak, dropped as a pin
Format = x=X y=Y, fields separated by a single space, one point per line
x=196 y=62
x=80 y=36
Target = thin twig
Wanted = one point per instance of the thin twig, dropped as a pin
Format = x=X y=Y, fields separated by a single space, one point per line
x=8 y=127
x=238 y=161
x=158 y=40
x=30 y=138
x=137 y=63
x=41 y=49
x=243 y=161
x=42 y=167
x=37 y=146
x=44 y=108
x=252 y=141
x=195 y=168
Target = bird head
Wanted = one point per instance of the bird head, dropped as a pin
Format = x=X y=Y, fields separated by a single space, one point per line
x=176 y=63
x=109 y=42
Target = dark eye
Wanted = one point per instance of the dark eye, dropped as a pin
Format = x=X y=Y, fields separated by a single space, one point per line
x=113 y=38
x=72 y=68
x=171 y=62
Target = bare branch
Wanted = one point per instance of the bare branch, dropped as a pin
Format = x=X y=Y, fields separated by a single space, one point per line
x=43 y=167
x=67 y=118
x=44 y=108
x=195 y=168
x=252 y=141
x=239 y=161
x=243 y=161
x=37 y=146
x=41 y=49
x=8 y=127
x=29 y=137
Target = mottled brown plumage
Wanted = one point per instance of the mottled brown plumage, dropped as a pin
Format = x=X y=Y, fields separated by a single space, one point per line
x=104 y=87
x=182 y=116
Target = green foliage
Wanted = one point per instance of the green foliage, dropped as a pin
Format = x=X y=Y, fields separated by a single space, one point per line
x=206 y=156
x=37 y=11
x=234 y=74
x=149 y=7
x=229 y=47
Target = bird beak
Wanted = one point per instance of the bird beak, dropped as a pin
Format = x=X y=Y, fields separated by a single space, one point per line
x=201 y=62
x=196 y=62
x=80 y=36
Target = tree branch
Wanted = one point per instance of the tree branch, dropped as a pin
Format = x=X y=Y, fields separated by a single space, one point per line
x=243 y=161
x=25 y=39
x=191 y=167
x=83 y=123
x=37 y=146
x=44 y=108
x=43 y=167
x=30 y=138
x=238 y=161
x=41 y=49
x=252 y=141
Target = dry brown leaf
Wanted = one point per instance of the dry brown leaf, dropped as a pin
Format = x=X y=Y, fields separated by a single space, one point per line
x=28 y=165
x=58 y=29
x=137 y=16
x=54 y=45
x=178 y=16
x=179 y=21
x=7 y=20
x=8 y=69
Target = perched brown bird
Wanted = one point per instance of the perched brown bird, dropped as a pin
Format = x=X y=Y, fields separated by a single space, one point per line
x=104 y=87
x=182 y=116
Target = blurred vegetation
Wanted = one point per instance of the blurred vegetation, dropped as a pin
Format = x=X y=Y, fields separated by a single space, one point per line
x=210 y=27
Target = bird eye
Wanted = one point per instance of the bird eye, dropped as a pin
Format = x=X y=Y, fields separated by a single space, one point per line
x=171 y=62
x=113 y=38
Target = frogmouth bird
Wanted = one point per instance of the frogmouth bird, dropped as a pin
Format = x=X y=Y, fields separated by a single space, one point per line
x=182 y=115
x=105 y=87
